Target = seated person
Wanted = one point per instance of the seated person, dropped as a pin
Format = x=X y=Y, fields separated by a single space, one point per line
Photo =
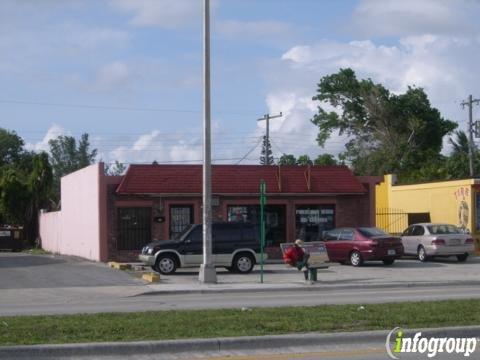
x=297 y=257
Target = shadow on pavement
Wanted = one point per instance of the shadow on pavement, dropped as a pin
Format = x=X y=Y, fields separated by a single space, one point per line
x=403 y=265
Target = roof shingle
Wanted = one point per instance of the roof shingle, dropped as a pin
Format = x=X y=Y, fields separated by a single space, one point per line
x=239 y=179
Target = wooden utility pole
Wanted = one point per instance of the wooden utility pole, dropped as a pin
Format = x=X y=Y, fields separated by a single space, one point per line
x=267 y=118
x=471 y=147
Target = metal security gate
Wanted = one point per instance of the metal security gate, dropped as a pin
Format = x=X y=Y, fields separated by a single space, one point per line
x=393 y=221
x=180 y=217
x=134 y=228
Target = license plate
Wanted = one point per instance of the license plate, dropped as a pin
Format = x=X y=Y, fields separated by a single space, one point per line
x=391 y=252
x=454 y=242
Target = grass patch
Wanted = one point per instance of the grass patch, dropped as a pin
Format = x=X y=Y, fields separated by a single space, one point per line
x=161 y=325
x=36 y=251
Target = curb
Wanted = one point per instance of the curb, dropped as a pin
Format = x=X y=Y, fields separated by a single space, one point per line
x=220 y=344
x=313 y=287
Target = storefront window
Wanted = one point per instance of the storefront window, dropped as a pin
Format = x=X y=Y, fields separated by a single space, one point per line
x=312 y=220
x=274 y=220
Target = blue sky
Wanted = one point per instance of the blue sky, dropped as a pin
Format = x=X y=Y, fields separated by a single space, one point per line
x=129 y=72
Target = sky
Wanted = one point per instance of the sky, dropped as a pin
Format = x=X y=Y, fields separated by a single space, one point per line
x=129 y=72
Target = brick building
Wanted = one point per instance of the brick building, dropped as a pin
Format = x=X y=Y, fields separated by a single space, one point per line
x=159 y=201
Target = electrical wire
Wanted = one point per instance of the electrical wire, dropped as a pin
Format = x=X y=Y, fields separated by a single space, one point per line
x=251 y=150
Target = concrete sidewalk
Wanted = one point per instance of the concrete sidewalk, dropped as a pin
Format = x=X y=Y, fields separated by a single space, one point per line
x=404 y=273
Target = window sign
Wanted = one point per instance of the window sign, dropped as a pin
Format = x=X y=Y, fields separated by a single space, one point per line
x=312 y=220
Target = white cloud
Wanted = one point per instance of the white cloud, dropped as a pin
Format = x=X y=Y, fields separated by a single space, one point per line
x=256 y=29
x=161 y=13
x=440 y=64
x=53 y=132
x=160 y=147
x=294 y=133
x=78 y=37
x=113 y=76
x=413 y=17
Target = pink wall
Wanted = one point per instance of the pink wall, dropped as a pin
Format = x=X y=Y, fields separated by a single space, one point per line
x=49 y=231
x=78 y=229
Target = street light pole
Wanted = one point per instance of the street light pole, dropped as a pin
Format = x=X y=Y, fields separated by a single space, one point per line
x=207 y=272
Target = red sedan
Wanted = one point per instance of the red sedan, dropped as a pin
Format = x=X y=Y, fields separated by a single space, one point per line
x=356 y=245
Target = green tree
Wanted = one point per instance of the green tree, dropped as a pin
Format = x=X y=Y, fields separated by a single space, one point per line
x=14 y=197
x=304 y=160
x=116 y=169
x=266 y=157
x=12 y=152
x=458 y=162
x=388 y=133
x=66 y=157
x=287 y=159
x=325 y=160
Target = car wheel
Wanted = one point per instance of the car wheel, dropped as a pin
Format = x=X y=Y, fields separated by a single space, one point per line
x=388 y=261
x=462 y=257
x=356 y=258
x=165 y=264
x=422 y=254
x=243 y=263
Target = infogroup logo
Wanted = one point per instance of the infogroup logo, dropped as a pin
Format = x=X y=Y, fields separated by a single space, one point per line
x=431 y=346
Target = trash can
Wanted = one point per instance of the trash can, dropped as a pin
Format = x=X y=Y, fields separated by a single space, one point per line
x=10 y=239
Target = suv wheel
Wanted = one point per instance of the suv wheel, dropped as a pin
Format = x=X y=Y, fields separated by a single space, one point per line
x=243 y=263
x=165 y=264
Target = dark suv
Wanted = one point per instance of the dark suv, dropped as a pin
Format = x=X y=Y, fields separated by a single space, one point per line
x=235 y=246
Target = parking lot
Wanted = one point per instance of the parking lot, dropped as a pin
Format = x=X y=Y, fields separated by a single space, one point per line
x=26 y=271
x=50 y=284
x=404 y=271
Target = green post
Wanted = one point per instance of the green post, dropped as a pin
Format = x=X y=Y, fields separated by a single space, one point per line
x=263 y=201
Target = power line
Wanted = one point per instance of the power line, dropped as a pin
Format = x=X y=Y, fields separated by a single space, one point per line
x=108 y=107
x=250 y=151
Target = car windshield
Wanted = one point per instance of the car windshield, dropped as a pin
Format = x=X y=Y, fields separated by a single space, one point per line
x=443 y=229
x=179 y=235
x=371 y=231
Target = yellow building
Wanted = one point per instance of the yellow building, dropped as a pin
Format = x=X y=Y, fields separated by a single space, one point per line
x=454 y=202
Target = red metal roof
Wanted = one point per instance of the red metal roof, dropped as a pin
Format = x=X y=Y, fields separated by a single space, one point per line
x=239 y=179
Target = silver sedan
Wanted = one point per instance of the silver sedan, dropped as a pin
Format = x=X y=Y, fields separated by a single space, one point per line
x=427 y=240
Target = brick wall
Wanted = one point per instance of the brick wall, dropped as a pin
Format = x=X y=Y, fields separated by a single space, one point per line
x=351 y=210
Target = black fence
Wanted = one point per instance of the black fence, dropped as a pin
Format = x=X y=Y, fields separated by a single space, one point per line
x=393 y=221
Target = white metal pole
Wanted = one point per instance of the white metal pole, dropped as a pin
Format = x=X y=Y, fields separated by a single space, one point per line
x=207 y=272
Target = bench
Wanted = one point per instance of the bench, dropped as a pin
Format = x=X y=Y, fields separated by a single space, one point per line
x=318 y=256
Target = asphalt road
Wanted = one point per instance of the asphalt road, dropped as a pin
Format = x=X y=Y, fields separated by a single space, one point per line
x=370 y=351
x=31 y=285
x=83 y=302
